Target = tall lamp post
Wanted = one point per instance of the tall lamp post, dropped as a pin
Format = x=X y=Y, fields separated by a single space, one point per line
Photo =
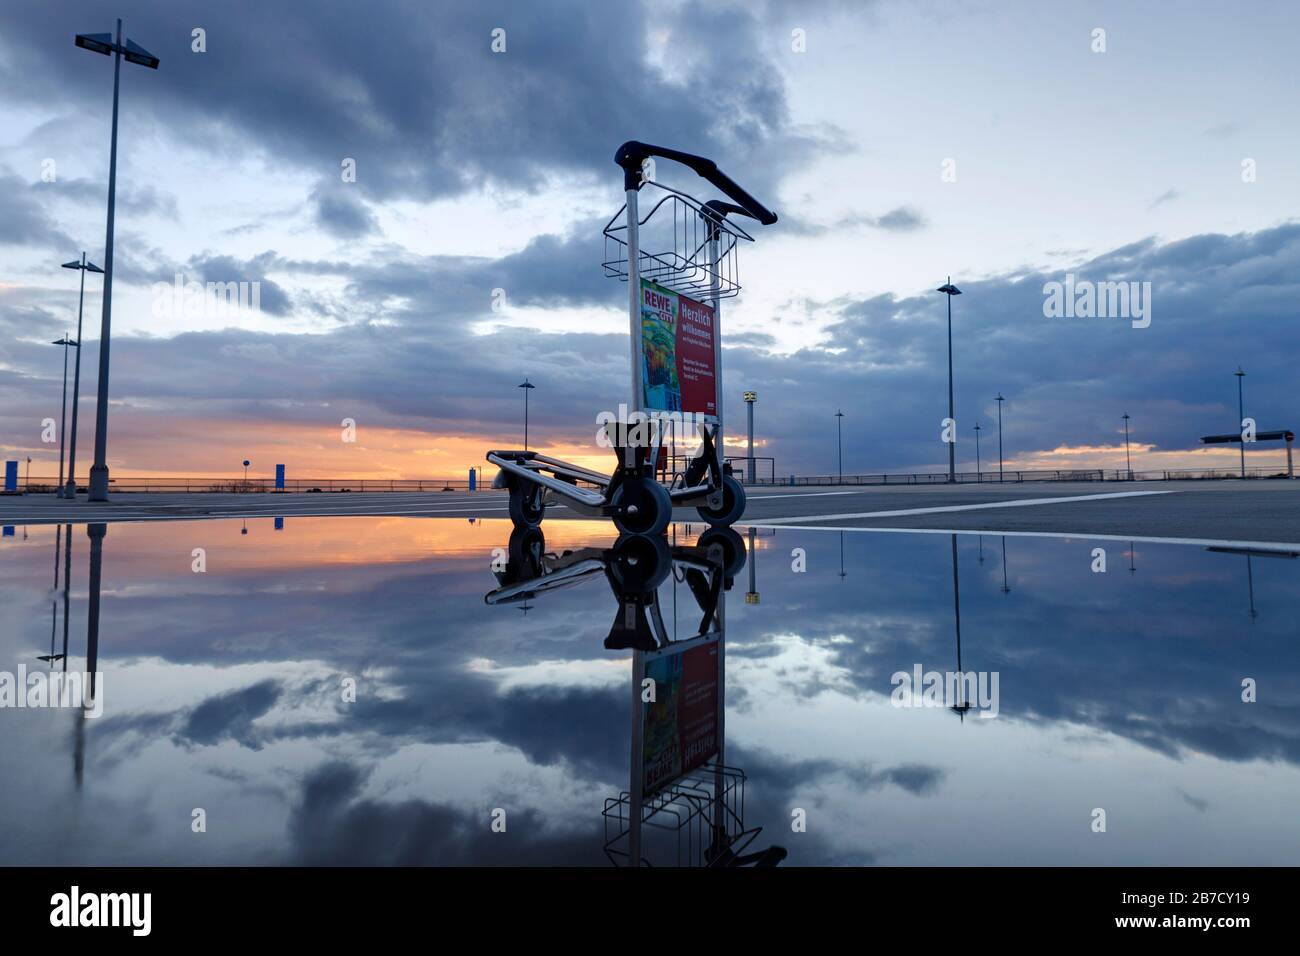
x=1128 y=462
x=63 y=420
x=134 y=53
x=951 y=290
x=750 y=399
x=979 y=476
x=839 y=444
x=1000 y=400
x=70 y=490
x=527 y=386
x=1241 y=415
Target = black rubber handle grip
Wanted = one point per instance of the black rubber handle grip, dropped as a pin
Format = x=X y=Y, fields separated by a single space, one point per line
x=632 y=154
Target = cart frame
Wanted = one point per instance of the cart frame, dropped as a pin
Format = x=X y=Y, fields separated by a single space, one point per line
x=631 y=495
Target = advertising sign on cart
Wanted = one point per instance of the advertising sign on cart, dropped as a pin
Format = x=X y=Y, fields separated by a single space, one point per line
x=678 y=371
x=681 y=724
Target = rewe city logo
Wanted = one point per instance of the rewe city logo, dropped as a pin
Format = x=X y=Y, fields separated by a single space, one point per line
x=1085 y=299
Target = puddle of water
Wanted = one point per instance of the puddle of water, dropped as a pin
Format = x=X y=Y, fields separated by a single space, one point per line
x=224 y=691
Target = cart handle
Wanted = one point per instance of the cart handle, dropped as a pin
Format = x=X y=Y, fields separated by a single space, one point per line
x=632 y=154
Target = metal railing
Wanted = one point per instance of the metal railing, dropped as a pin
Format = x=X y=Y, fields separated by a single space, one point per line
x=46 y=485
x=1018 y=476
x=267 y=485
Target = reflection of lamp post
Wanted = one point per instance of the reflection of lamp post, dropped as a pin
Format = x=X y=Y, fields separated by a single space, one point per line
x=1250 y=583
x=527 y=386
x=96 y=533
x=1241 y=417
x=1005 y=588
x=962 y=704
x=134 y=53
x=951 y=290
x=842 y=571
x=839 y=444
x=750 y=399
x=83 y=266
x=751 y=596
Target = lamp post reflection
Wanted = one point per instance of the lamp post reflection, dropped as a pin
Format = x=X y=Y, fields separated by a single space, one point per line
x=1005 y=588
x=959 y=707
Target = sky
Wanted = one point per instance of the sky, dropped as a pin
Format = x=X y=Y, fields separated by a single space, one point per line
x=900 y=144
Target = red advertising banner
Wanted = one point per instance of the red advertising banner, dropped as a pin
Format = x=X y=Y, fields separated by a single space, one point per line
x=678 y=334
x=681 y=724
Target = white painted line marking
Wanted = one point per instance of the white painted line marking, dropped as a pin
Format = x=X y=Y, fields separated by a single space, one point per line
x=1280 y=546
x=815 y=494
x=1018 y=503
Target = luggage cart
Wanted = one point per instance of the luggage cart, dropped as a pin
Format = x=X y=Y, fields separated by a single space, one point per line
x=681 y=248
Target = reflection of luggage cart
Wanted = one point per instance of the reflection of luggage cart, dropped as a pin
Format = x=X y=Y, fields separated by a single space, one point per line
x=634 y=567
x=679 y=249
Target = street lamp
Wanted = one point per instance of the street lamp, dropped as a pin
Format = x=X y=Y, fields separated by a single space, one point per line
x=71 y=490
x=134 y=53
x=978 y=475
x=1127 y=460
x=1241 y=415
x=950 y=290
x=63 y=421
x=527 y=386
x=750 y=399
x=1000 y=400
x=246 y=464
x=839 y=444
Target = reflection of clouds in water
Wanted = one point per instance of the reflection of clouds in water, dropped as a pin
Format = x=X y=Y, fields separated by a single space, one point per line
x=785 y=665
x=224 y=692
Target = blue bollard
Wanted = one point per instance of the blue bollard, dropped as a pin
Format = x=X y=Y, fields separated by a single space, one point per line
x=279 y=477
x=473 y=478
x=11 y=477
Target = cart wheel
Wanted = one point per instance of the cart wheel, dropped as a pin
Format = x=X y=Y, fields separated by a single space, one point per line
x=733 y=549
x=733 y=504
x=526 y=552
x=655 y=512
x=640 y=563
x=527 y=506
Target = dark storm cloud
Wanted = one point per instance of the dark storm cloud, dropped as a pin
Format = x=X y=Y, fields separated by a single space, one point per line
x=24 y=219
x=207 y=267
x=413 y=91
x=901 y=219
x=332 y=823
x=341 y=213
x=230 y=715
x=1217 y=300
x=134 y=198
